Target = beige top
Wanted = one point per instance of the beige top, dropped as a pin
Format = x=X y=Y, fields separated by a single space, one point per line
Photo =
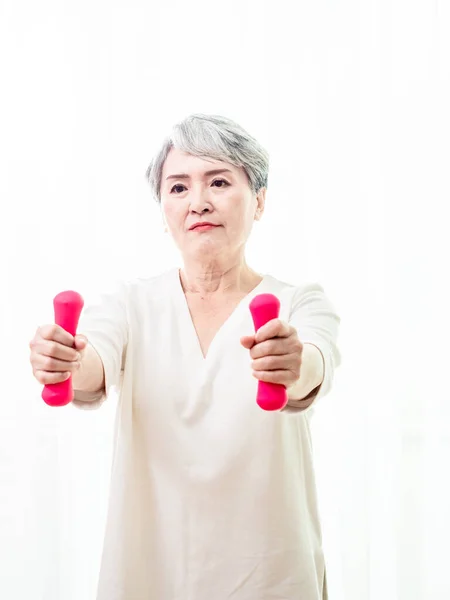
x=211 y=497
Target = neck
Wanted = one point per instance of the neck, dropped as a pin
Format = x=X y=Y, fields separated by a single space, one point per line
x=221 y=277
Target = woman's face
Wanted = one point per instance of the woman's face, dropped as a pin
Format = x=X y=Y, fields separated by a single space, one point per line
x=190 y=194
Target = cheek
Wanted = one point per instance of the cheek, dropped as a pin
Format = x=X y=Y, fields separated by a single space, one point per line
x=172 y=214
x=239 y=227
x=246 y=217
x=241 y=213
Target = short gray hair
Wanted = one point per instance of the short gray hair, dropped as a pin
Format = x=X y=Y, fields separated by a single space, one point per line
x=216 y=137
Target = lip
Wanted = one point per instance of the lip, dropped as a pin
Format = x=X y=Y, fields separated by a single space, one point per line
x=203 y=225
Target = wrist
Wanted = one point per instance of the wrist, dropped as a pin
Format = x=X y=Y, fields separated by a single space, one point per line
x=312 y=372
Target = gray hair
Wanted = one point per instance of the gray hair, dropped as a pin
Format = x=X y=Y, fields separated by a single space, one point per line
x=216 y=137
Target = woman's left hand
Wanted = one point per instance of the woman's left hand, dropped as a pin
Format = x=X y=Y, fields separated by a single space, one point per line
x=276 y=352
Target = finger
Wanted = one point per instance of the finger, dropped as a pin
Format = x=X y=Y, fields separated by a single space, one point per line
x=269 y=348
x=47 y=363
x=273 y=328
x=81 y=342
x=282 y=377
x=274 y=363
x=56 y=333
x=46 y=378
x=56 y=350
x=248 y=341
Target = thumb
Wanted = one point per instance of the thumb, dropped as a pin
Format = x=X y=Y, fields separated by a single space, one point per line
x=248 y=341
x=81 y=342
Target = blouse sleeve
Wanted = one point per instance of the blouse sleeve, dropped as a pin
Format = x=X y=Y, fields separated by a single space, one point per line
x=105 y=324
x=317 y=322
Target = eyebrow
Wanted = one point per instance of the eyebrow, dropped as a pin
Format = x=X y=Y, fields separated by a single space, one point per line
x=186 y=176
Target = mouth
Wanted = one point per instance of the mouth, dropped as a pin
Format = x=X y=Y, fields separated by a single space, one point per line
x=202 y=226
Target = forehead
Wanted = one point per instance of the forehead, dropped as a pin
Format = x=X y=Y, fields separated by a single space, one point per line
x=178 y=161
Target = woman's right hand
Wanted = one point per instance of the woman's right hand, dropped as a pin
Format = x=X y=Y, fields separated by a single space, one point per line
x=55 y=354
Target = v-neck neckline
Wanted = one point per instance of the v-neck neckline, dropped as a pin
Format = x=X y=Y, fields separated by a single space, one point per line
x=192 y=332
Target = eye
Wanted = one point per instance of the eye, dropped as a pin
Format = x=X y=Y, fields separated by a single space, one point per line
x=222 y=181
x=180 y=185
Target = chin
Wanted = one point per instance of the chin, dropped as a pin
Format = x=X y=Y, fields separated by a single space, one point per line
x=205 y=246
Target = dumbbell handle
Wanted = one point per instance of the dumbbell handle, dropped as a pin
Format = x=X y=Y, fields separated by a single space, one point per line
x=264 y=308
x=67 y=306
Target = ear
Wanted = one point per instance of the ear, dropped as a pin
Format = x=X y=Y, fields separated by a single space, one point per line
x=260 y=203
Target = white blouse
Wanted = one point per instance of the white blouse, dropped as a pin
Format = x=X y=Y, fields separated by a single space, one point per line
x=211 y=497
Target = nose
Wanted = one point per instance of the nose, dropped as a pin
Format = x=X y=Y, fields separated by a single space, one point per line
x=200 y=203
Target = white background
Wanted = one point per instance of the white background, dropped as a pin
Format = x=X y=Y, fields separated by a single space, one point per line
x=351 y=100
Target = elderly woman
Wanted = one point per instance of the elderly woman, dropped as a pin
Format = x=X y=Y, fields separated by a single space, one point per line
x=211 y=496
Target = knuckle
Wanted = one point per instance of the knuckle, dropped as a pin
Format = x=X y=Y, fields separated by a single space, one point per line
x=273 y=346
x=44 y=331
x=49 y=363
x=260 y=350
x=254 y=352
x=54 y=329
x=269 y=362
x=277 y=325
x=52 y=348
x=49 y=332
x=298 y=346
x=295 y=361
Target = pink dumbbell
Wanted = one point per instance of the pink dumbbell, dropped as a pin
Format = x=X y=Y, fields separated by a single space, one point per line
x=68 y=306
x=264 y=308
